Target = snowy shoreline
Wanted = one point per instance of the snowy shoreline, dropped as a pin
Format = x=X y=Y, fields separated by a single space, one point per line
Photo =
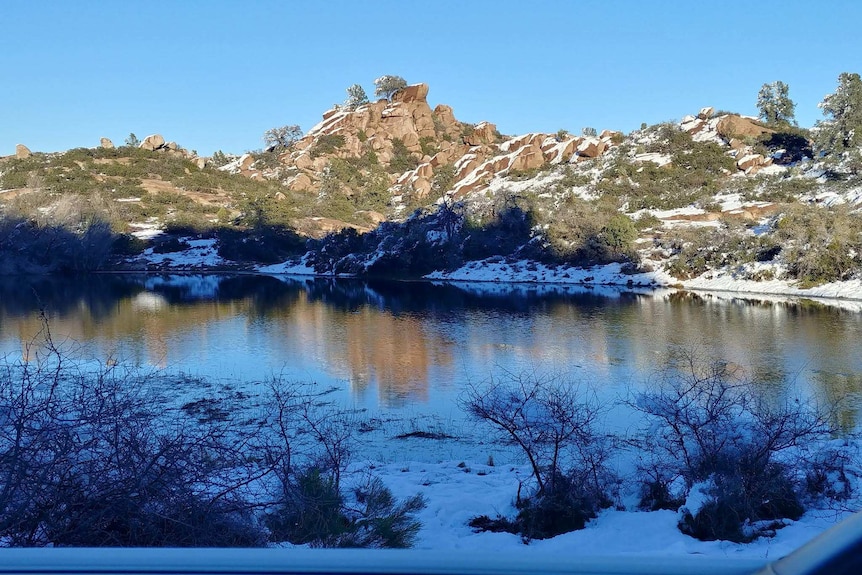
x=201 y=256
x=498 y=272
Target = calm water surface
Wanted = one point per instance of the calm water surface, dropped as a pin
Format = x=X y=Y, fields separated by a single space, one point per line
x=413 y=345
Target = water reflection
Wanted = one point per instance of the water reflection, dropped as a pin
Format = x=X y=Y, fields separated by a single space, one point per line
x=399 y=344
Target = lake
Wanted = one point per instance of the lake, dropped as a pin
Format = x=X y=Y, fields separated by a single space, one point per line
x=411 y=346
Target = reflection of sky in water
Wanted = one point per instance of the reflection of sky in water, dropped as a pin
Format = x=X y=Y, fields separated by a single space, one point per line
x=412 y=346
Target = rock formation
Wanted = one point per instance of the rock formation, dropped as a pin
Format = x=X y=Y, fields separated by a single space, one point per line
x=153 y=142
x=106 y=143
x=22 y=152
x=382 y=132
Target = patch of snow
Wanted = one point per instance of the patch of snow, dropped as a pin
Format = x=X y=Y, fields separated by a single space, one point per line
x=290 y=267
x=654 y=157
x=200 y=254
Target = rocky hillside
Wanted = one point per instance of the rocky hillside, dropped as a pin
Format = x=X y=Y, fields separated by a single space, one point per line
x=395 y=187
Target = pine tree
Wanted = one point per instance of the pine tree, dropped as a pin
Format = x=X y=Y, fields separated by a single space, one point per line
x=356 y=97
x=282 y=138
x=842 y=130
x=775 y=105
x=387 y=85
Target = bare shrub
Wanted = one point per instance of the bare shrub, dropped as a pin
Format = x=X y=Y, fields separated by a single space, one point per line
x=89 y=458
x=710 y=429
x=553 y=423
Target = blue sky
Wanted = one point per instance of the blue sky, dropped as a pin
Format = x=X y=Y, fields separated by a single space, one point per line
x=215 y=74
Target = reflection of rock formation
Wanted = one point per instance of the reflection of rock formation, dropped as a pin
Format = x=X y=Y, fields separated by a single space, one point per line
x=393 y=350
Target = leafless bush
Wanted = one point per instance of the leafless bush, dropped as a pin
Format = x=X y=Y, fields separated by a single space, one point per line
x=89 y=458
x=553 y=422
x=708 y=427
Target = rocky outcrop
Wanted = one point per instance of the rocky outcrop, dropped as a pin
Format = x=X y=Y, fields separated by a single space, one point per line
x=732 y=126
x=106 y=143
x=153 y=142
x=414 y=93
x=382 y=132
x=731 y=131
x=22 y=152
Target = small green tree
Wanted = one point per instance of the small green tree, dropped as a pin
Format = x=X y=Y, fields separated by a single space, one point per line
x=282 y=138
x=619 y=234
x=132 y=141
x=589 y=132
x=386 y=86
x=356 y=97
x=842 y=130
x=775 y=105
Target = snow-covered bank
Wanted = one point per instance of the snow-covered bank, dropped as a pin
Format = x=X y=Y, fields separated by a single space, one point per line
x=201 y=255
x=847 y=295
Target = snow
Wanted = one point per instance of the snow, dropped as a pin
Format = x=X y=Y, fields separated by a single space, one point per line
x=146 y=231
x=654 y=157
x=200 y=254
x=291 y=267
x=846 y=294
x=457 y=490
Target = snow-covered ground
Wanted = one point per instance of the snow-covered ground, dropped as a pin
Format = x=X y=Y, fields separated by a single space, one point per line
x=455 y=494
x=467 y=475
x=846 y=294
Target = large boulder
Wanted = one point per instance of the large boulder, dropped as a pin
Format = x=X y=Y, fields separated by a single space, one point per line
x=301 y=183
x=732 y=126
x=414 y=93
x=245 y=162
x=106 y=143
x=22 y=152
x=528 y=158
x=153 y=142
x=482 y=133
x=591 y=148
x=706 y=113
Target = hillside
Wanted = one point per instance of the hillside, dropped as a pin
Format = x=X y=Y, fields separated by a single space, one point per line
x=397 y=188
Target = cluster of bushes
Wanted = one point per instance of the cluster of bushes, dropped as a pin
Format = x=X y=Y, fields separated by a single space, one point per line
x=586 y=233
x=93 y=458
x=820 y=244
x=554 y=425
x=733 y=459
x=736 y=452
x=816 y=245
x=698 y=250
x=696 y=169
x=449 y=236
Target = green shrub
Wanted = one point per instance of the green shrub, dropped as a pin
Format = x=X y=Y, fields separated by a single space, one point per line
x=312 y=511
x=821 y=244
x=402 y=160
x=565 y=508
x=326 y=144
x=428 y=145
x=315 y=513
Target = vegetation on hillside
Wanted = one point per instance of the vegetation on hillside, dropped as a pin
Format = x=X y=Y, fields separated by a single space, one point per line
x=589 y=212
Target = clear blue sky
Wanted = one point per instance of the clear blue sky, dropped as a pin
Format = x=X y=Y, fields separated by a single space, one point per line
x=215 y=74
